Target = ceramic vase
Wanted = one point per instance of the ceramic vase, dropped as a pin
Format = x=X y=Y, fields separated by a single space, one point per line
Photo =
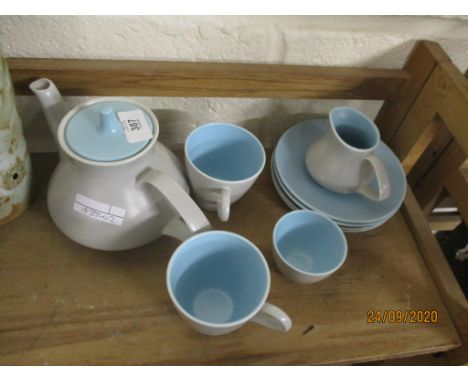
x=15 y=164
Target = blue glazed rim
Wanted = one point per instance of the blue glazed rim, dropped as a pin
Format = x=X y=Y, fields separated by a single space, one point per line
x=340 y=233
x=365 y=118
x=254 y=176
x=224 y=325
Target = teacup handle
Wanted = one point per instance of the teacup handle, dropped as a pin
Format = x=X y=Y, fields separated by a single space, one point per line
x=220 y=196
x=224 y=204
x=273 y=317
x=193 y=219
x=383 y=184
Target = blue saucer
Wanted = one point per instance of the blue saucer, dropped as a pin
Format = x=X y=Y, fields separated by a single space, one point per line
x=293 y=203
x=351 y=208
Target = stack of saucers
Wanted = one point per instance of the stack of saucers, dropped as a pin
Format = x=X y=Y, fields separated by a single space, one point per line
x=296 y=187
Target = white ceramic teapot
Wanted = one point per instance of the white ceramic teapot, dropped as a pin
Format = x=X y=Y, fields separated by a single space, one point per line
x=116 y=187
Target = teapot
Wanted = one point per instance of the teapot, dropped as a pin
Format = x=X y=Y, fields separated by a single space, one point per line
x=116 y=186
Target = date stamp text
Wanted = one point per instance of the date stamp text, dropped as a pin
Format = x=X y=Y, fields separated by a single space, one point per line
x=402 y=316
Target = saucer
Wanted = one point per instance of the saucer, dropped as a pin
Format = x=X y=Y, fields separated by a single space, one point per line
x=293 y=206
x=346 y=208
x=298 y=204
x=292 y=203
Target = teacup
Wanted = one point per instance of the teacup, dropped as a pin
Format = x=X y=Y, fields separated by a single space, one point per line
x=218 y=281
x=222 y=161
x=308 y=246
x=343 y=159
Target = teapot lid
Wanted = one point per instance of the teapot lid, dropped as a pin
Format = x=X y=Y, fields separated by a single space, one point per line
x=109 y=130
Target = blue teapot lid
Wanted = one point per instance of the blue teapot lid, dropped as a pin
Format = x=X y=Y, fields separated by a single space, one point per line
x=97 y=133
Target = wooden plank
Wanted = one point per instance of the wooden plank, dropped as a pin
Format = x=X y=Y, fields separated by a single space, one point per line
x=444 y=95
x=425 y=139
x=456 y=184
x=447 y=284
x=446 y=281
x=453 y=107
x=61 y=303
x=435 y=259
x=422 y=61
x=441 y=105
x=420 y=119
x=430 y=155
x=441 y=97
x=198 y=79
x=432 y=204
x=431 y=185
x=444 y=222
x=455 y=357
x=446 y=205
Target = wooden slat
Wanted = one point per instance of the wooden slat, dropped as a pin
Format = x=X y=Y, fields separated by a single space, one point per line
x=444 y=222
x=433 y=256
x=433 y=181
x=440 y=112
x=422 y=61
x=456 y=184
x=453 y=107
x=432 y=141
x=197 y=79
x=430 y=155
x=441 y=104
x=422 y=143
x=444 y=95
x=420 y=119
x=447 y=284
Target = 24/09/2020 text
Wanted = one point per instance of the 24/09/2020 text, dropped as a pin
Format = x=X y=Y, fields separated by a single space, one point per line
x=402 y=316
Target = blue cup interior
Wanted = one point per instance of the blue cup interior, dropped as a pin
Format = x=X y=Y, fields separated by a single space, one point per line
x=218 y=277
x=225 y=152
x=310 y=243
x=354 y=128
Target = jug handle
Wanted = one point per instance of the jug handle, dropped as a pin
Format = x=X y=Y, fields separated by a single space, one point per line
x=383 y=183
x=193 y=219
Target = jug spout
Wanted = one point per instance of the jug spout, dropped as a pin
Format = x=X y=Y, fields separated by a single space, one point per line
x=51 y=102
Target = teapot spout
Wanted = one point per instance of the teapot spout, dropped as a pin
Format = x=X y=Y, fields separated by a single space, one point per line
x=51 y=102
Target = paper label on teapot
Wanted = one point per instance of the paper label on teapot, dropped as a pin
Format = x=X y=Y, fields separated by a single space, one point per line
x=98 y=210
x=135 y=126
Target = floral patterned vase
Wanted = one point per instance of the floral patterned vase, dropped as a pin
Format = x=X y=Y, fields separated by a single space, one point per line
x=15 y=164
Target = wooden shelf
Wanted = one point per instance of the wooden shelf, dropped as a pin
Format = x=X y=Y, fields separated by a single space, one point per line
x=207 y=79
x=61 y=303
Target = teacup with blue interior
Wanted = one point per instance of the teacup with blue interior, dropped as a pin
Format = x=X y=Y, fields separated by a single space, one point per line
x=222 y=161
x=218 y=281
x=308 y=246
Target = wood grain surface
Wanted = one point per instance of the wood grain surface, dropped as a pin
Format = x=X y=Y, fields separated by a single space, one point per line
x=433 y=138
x=61 y=303
x=431 y=154
x=200 y=79
x=421 y=63
x=448 y=285
x=443 y=96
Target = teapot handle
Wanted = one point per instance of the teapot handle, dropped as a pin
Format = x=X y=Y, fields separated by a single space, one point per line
x=193 y=219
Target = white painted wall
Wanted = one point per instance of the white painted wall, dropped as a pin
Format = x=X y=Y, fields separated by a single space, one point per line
x=366 y=41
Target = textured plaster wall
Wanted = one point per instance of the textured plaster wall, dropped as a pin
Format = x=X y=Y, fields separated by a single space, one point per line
x=366 y=41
